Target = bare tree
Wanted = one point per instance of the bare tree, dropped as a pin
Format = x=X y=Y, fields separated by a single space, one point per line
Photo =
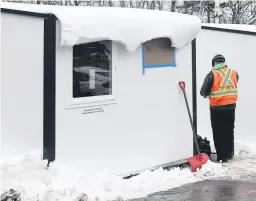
x=252 y=19
x=235 y=12
x=173 y=5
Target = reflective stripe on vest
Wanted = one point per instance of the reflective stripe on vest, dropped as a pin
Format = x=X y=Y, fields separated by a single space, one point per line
x=226 y=82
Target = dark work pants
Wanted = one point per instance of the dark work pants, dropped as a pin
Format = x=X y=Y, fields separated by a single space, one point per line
x=222 y=122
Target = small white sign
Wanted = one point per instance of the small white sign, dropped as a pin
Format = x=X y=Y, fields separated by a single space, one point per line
x=92 y=78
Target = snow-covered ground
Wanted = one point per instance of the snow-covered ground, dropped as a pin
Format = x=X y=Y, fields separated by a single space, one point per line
x=31 y=177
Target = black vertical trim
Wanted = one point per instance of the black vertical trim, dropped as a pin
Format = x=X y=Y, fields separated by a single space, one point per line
x=194 y=91
x=49 y=88
x=26 y=13
x=229 y=30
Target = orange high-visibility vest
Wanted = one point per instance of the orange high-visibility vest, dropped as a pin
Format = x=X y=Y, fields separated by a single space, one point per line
x=224 y=89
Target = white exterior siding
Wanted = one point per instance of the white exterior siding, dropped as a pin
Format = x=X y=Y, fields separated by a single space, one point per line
x=22 y=40
x=239 y=51
x=148 y=125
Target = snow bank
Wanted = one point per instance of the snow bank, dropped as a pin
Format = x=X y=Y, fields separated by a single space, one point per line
x=30 y=177
x=246 y=146
x=128 y=26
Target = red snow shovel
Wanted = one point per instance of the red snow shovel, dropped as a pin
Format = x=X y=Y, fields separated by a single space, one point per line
x=201 y=158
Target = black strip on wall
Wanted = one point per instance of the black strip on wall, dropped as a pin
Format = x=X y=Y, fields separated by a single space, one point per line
x=194 y=91
x=49 y=88
x=230 y=30
x=21 y=12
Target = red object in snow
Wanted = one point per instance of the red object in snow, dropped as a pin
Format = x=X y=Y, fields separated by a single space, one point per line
x=201 y=158
x=197 y=161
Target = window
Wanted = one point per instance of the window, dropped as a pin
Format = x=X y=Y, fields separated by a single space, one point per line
x=158 y=53
x=92 y=69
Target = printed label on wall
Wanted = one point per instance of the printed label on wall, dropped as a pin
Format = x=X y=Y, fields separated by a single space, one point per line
x=93 y=110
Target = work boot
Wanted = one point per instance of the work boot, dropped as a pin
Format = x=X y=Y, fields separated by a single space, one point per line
x=225 y=160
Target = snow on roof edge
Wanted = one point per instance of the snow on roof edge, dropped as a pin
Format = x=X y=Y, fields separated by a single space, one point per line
x=239 y=27
x=131 y=27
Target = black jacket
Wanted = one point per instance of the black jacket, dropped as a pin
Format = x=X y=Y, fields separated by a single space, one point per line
x=206 y=90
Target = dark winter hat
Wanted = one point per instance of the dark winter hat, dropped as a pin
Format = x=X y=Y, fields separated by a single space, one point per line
x=218 y=58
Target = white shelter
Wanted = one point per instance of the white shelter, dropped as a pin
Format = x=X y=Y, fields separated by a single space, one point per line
x=97 y=87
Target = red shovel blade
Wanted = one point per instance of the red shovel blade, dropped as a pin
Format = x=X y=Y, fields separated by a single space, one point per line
x=197 y=161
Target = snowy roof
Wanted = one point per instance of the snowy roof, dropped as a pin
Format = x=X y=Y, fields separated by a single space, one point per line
x=129 y=26
x=240 y=27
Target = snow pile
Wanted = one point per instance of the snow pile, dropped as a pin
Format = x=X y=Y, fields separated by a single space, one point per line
x=245 y=146
x=26 y=174
x=242 y=167
x=128 y=26
x=211 y=170
x=29 y=176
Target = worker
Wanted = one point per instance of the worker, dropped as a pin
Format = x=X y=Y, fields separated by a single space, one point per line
x=220 y=85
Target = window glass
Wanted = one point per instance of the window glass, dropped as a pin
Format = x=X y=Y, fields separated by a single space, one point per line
x=92 y=69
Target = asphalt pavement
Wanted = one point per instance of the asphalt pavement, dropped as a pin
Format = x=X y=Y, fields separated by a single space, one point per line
x=208 y=190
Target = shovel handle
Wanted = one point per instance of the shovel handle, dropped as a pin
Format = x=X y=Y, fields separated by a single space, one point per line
x=182 y=85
